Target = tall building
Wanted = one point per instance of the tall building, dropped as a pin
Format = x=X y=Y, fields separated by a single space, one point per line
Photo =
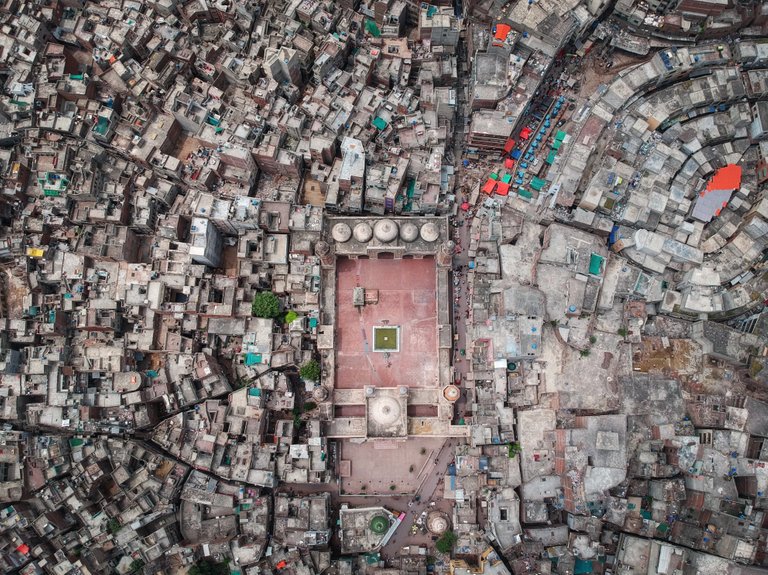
x=205 y=243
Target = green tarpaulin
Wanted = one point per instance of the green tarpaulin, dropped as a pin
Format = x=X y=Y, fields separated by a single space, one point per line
x=595 y=264
x=494 y=176
x=551 y=157
x=560 y=136
x=537 y=184
x=524 y=193
x=373 y=30
x=506 y=178
x=379 y=123
x=102 y=125
x=556 y=145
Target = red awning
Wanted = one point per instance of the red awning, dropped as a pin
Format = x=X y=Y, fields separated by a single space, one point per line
x=502 y=189
x=489 y=185
x=509 y=163
x=525 y=133
x=509 y=145
x=23 y=549
x=465 y=206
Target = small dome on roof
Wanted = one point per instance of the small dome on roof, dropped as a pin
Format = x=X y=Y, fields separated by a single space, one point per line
x=379 y=524
x=341 y=233
x=429 y=232
x=409 y=232
x=385 y=230
x=363 y=232
x=437 y=522
x=451 y=393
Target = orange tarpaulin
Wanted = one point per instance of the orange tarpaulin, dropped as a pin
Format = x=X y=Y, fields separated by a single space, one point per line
x=727 y=178
x=502 y=31
x=489 y=185
x=502 y=189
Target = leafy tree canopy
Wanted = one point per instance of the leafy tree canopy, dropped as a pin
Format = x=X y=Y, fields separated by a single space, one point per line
x=265 y=304
x=446 y=542
x=208 y=567
x=310 y=370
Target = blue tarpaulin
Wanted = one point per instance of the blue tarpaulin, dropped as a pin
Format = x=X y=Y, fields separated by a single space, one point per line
x=614 y=235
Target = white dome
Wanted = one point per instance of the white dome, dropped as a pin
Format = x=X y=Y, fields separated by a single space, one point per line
x=437 y=522
x=429 y=232
x=362 y=233
x=385 y=230
x=341 y=233
x=384 y=410
x=409 y=232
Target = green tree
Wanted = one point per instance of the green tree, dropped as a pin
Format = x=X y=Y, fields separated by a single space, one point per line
x=592 y=339
x=309 y=406
x=137 y=565
x=113 y=526
x=265 y=304
x=513 y=449
x=310 y=370
x=208 y=567
x=622 y=332
x=446 y=542
x=585 y=352
x=291 y=316
x=392 y=487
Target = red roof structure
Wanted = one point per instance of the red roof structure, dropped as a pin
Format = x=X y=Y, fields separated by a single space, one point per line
x=502 y=189
x=489 y=186
x=509 y=163
x=715 y=197
x=502 y=31
x=510 y=143
x=727 y=178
